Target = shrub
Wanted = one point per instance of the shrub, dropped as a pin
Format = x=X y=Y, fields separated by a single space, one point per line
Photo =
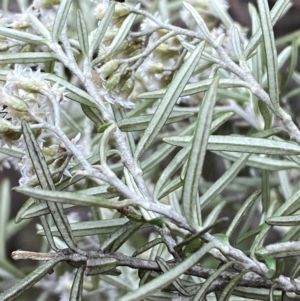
x=155 y=150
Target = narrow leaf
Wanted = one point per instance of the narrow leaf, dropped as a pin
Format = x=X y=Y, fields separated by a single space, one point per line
x=141 y=122
x=242 y=212
x=223 y=181
x=198 y=151
x=22 y=36
x=82 y=34
x=4 y=215
x=42 y=172
x=208 y=282
x=73 y=198
x=40 y=26
x=102 y=28
x=60 y=19
x=27 y=282
x=226 y=293
x=242 y=144
x=167 y=103
x=77 y=286
x=279 y=7
x=197 y=87
x=168 y=277
x=270 y=49
x=26 y=57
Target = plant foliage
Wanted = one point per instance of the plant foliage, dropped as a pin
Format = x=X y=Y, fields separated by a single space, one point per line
x=156 y=149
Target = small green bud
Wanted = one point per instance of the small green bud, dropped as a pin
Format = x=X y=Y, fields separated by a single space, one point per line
x=33 y=86
x=113 y=81
x=100 y=11
x=166 y=51
x=108 y=68
x=5 y=125
x=127 y=88
x=15 y=103
x=121 y=10
x=12 y=135
x=156 y=67
x=50 y=153
x=38 y=4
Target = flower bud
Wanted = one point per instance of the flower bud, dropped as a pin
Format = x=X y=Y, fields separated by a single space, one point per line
x=5 y=125
x=108 y=68
x=155 y=67
x=12 y=135
x=166 y=51
x=21 y=24
x=15 y=103
x=113 y=81
x=121 y=10
x=50 y=153
x=100 y=11
x=127 y=88
x=32 y=85
x=38 y=4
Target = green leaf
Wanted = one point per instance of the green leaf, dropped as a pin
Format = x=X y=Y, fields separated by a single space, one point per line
x=11 y=269
x=77 y=286
x=201 y=23
x=122 y=31
x=101 y=30
x=181 y=157
x=222 y=13
x=26 y=57
x=74 y=198
x=270 y=50
x=242 y=212
x=101 y=266
x=198 y=150
x=141 y=122
x=170 y=187
x=167 y=103
x=281 y=250
x=119 y=37
x=22 y=36
x=75 y=93
x=163 y=152
x=197 y=87
x=237 y=43
x=40 y=26
x=279 y=7
x=293 y=220
x=60 y=19
x=176 y=283
x=30 y=210
x=168 y=277
x=249 y=234
x=208 y=282
x=27 y=282
x=87 y=228
x=44 y=176
x=259 y=162
x=120 y=236
x=270 y=263
x=266 y=114
x=227 y=291
x=148 y=246
x=242 y=144
x=82 y=34
x=293 y=63
x=4 y=214
x=223 y=181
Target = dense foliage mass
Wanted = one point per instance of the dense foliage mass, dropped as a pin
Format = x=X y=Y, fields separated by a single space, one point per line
x=157 y=149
